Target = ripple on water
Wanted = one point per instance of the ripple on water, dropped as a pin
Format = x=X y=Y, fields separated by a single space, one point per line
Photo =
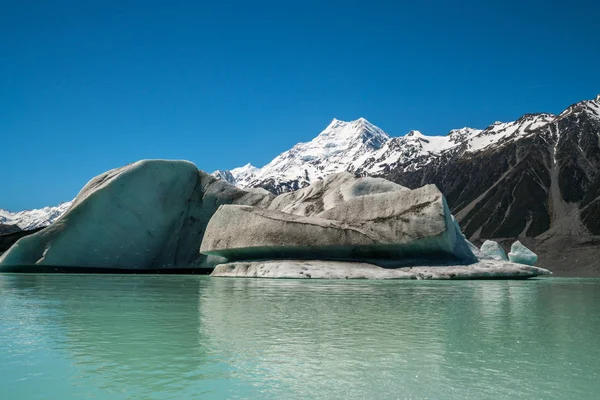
x=103 y=336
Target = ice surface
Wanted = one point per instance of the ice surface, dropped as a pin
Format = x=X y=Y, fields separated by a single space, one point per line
x=395 y=225
x=316 y=269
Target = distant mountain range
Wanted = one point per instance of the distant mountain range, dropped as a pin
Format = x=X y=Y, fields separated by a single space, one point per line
x=31 y=219
x=538 y=175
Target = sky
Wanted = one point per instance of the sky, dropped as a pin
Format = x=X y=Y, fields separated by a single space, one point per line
x=86 y=86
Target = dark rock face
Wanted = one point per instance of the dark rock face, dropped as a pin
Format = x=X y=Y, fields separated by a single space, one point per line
x=6 y=229
x=545 y=183
x=9 y=234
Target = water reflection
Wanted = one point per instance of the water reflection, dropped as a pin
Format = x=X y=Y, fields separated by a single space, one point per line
x=184 y=337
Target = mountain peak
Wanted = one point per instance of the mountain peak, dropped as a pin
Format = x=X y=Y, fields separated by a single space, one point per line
x=357 y=123
x=335 y=123
x=414 y=133
x=340 y=131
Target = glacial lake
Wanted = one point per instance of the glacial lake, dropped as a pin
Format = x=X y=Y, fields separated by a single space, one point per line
x=188 y=337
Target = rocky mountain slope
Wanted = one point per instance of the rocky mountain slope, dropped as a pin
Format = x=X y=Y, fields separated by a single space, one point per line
x=541 y=177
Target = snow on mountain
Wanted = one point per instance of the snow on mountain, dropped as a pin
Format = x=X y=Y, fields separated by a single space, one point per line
x=500 y=132
x=32 y=219
x=333 y=150
x=591 y=107
x=362 y=148
x=224 y=175
x=415 y=148
x=458 y=136
x=244 y=175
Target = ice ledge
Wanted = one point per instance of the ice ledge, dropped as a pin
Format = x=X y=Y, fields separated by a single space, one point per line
x=292 y=269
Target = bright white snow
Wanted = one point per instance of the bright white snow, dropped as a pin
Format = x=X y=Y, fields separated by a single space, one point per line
x=333 y=150
x=32 y=219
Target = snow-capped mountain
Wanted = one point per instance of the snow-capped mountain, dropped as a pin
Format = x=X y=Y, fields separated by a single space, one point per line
x=539 y=175
x=414 y=148
x=33 y=219
x=241 y=176
x=364 y=149
x=333 y=150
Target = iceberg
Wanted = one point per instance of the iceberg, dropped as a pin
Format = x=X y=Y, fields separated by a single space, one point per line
x=397 y=225
x=148 y=216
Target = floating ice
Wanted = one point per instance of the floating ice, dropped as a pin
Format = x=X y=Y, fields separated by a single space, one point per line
x=521 y=254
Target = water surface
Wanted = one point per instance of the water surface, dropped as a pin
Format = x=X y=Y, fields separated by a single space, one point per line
x=184 y=337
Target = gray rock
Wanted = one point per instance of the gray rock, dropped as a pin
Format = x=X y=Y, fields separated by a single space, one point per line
x=390 y=225
x=316 y=269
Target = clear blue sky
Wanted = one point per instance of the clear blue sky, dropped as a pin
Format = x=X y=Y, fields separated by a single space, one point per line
x=86 y=86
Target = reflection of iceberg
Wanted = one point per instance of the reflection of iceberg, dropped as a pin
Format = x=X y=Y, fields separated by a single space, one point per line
x=351 y=337
x=188 y=337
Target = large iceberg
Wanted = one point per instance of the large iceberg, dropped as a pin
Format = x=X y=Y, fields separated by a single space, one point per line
x=148 y=216
x=349 y=228
x=398 y=225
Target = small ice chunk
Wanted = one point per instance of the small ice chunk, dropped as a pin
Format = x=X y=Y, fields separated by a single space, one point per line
x=493 y=250
x=521 y=254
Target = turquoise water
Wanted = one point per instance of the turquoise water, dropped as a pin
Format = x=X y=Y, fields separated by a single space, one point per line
x=185 y=337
